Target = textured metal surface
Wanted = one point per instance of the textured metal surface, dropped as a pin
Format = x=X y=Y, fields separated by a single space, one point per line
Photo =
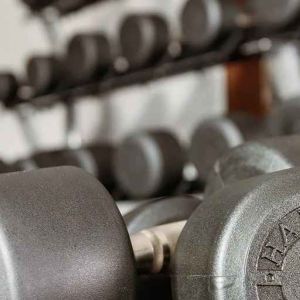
x=253 y=159
x=248 y=245
x=143 y=39
x=149 y=164
x=212 y=139
x=161 y=211
x=62 y=237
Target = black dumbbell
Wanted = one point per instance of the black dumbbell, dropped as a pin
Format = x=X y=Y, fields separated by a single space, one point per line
x=37 y=5
x=143 y=39
x=8 y=89
x=240 y=243
x=44 y=74
x=149 y=164
x=88 y=56
x=68 y=6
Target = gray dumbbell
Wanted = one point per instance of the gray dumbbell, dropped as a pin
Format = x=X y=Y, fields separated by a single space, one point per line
x=246 y=245
x=212 y=139
x=88 y=56
x=253 y=159
x=143 y=39
x=149 y=164
x=206 y=21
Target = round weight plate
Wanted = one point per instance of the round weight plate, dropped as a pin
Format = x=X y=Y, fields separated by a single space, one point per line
x=230 y=254
x=62 y=237
x=149 y=164
x=88 y=55
x=201 y=23
x=210 y=141
x=143 y=39
x=161 y=211
x=43 y=73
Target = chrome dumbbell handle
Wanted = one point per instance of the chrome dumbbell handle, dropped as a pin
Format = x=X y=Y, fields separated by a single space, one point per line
x=154 y=247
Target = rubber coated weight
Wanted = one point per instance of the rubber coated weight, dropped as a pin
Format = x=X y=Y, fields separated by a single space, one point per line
x=212 y=139
x=246 y=245
x=58 y=242
x=8 y=89
x=253 y=159
x=88 y=56
x=149 y=164
x=44 y=73
x=143 y=39
x=161 y=211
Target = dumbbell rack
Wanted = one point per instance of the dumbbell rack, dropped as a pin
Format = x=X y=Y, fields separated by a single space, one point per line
x=239 y=45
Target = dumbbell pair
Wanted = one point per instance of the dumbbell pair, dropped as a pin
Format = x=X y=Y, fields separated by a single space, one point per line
x=67 y=239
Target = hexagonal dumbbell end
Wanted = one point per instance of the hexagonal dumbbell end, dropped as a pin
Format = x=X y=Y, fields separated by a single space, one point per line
x=149 y=164
x=8 y=89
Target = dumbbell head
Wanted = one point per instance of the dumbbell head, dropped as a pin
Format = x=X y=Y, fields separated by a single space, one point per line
x=243 y=242
x=62 y=237
x=8 y=88
x=253 y=159
x=149 y=164
x=94 y=159
x=212 y=139
x=272 y=14
x=88 y=55
x=201 y=23
x=38 y=4
x=143 y=39
x=43 y=73
x=161 y=211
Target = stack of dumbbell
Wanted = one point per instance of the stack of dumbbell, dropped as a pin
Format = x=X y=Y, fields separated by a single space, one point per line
x=215 y=218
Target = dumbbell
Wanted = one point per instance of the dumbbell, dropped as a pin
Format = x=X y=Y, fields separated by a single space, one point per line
x=8 y=89
x=205 y=22
x=210 y=140
x=245 y=246
x=37 y=5
x=154 y=213
x=253 y=159
x=149 y=164
x=44 y=73
x=94 y=159
x=88 y=57
x=144 y=39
